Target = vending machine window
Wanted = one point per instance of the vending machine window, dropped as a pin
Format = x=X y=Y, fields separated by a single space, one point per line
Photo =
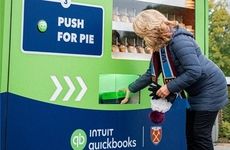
x=112 y=88
x=125 y=43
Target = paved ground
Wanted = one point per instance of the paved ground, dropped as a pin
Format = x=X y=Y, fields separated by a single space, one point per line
x=222 y=146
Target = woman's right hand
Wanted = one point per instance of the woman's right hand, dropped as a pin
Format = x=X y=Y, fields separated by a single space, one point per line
x=126 y=99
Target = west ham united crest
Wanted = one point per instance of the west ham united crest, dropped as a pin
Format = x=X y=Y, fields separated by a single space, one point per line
x=156 y=134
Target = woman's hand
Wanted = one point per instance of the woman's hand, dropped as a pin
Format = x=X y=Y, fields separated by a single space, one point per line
x=163 y=91
x=126 y=99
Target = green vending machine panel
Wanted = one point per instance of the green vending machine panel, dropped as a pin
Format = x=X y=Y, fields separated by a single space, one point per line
x=65 y=65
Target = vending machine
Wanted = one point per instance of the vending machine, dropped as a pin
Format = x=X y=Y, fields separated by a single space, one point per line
x=65 y=65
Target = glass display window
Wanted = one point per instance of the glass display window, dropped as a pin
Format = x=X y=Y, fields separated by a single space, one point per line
x=125 y=43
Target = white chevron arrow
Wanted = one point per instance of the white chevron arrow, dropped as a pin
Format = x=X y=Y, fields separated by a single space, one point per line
x=71 y=88
x=83 y=89
x=58 y=88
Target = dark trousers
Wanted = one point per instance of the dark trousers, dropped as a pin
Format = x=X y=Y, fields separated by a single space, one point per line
x=199 y=129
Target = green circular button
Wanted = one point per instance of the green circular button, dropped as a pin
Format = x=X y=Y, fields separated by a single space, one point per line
x=42 y=26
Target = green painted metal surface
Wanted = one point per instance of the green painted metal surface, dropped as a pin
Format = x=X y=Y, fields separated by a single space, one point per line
x=30 y=74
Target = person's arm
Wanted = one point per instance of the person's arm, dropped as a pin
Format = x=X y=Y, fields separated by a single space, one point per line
x=138 y=85
x=185 y=51
x=126 y=99
x=142 y=82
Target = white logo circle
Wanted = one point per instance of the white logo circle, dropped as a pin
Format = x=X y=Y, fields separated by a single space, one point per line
x=66 y=3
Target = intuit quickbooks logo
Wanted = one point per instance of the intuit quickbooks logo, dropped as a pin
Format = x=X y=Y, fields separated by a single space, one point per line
x=100 y=139
x=78 y=139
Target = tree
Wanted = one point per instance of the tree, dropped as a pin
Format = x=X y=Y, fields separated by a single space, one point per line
x=219 y=34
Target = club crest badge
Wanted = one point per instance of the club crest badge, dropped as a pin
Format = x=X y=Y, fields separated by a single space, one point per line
x=156 y=134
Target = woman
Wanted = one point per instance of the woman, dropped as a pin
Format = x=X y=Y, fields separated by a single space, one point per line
x=203 y=81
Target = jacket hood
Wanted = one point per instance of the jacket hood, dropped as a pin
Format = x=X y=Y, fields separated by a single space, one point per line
x=179 y=31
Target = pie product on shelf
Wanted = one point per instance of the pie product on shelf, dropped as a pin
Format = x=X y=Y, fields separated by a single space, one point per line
x=123 y=48
x=115 y=48
x=140 y=49
x=148 y=50
x=132 y=49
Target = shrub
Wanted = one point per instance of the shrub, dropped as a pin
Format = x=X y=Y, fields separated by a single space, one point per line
x=225 y=130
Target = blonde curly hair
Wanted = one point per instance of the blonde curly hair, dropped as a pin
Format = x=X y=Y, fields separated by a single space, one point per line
x=154 y=28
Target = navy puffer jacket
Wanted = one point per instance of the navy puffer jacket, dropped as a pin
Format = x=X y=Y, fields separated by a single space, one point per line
x=204 y=82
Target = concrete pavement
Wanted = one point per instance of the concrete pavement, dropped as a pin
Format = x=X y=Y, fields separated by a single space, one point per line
x=221 y=146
